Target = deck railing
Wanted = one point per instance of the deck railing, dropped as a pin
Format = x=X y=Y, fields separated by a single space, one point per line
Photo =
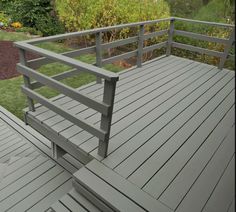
x=105 y=107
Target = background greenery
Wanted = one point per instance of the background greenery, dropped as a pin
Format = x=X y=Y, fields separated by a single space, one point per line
x=49 y=17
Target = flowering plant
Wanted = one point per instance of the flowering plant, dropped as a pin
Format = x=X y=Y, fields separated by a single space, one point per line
x=16 y=25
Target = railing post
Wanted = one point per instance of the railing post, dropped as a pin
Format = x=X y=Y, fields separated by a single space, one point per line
x=99 y=52
x=140 y=46
x=108 y=98
x=26 y=79
x=170 y=37
x=227 y=49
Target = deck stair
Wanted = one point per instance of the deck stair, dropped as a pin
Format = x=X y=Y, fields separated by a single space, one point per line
x=72 y=201
x=111 y=192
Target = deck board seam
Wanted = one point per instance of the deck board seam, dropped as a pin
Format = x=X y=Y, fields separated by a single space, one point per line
x=33 y=190
x=205 y=140
x=201 y=173
x=50 y=191
x=232 y=158
x=142 y=106
x=38 y=176
x=176 y=132
x=170 y=107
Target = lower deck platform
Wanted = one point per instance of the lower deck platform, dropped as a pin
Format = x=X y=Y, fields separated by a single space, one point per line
x=29 y=179
x=172 y=133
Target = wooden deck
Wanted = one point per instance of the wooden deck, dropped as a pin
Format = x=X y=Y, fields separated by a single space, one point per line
x=172 y=133
x=29 y=179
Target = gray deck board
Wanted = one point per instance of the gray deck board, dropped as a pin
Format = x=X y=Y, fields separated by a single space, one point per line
x=158 y=114
x=232 y=206
x=137 y=116
x=96 y=90
x=187 y=173
x=204 y=185
x=121 y=92
x=221 y=197
x=31 y=181
x=125 y=187
x=171 y=129
x=168 y=143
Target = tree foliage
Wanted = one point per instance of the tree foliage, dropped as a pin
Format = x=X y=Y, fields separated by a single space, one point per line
x=185 y=8
x=84 y=14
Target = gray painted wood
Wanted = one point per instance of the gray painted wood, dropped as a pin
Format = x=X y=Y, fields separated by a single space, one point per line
x=98 y=40
x=186 y=101
x=119 y=57
x=108 y=98
x=157 y=111
x=171 y=114
x=196 y=49
x=93 y=31
x=200 y=36
x=36 y=63
x=155 y=34
x=154 y=47
x=174 y=192
x=223 y=193
x=189 y=145
x=140 y=45
x=202 y=188
x=96 y=91
x=80 y=122
x=121 y=184
x=204 y=22
x=33 y=183
x=131 y=90
x=68 y=91
x=227 y=49
x=26 y=78
x=121 y=42
x=179 y=137
x=105 y=192
x=138 y=89
x=170 y=37
x=232 y=206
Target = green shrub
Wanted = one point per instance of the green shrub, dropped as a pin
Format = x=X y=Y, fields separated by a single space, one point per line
x=49 y=25
x=4 y=19
x=27 y=11
x=84 y=14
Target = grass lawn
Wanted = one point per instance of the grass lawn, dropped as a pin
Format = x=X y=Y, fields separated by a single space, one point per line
x=11 y=97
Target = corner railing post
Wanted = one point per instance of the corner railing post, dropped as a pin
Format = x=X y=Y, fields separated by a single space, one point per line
x=140 y=46
x=99 y=52
x=227 y=49
x=26 y=79
x=108 y=98
x=170 y=37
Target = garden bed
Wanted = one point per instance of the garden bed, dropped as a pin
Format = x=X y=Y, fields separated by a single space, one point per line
x=9 y=57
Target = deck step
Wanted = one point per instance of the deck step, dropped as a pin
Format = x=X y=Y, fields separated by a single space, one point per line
x=72 y=201
x=111 y=192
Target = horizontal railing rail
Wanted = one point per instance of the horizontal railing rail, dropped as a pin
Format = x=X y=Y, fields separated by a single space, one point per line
x=105 y=107
x=226 y=42
x=64 y=89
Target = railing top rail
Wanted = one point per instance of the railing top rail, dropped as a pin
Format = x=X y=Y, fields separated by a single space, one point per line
x=99 y=72
x=93 y=31
x=204 y=22
x=104 y=29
